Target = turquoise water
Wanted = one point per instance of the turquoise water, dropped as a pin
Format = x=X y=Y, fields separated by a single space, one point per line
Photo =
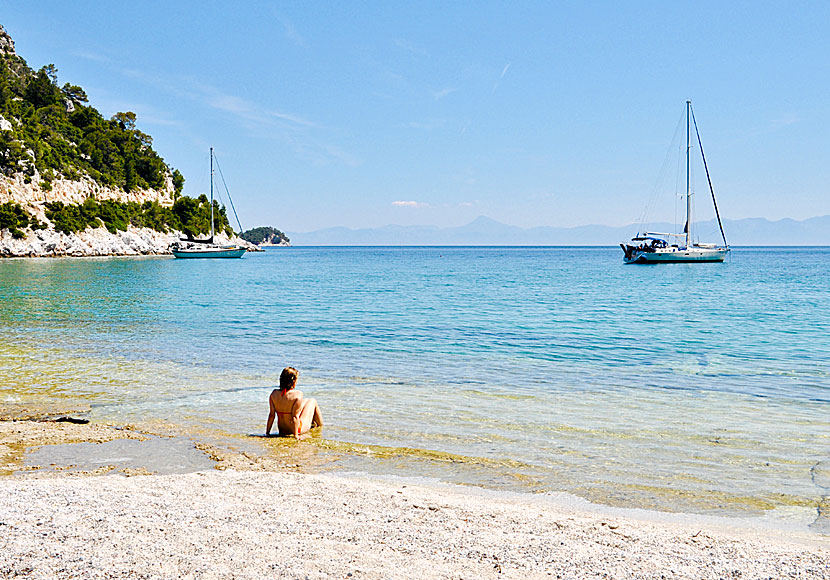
x=701 y=387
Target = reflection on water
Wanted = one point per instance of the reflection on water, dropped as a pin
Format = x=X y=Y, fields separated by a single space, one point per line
x=701 y=388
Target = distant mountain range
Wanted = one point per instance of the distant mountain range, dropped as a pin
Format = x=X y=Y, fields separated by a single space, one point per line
x=484 y=231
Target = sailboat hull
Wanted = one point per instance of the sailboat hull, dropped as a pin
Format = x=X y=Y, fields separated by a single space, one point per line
x=674 y=255
x=210 y=253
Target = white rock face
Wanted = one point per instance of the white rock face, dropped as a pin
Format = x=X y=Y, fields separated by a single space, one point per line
x=4 y=124
x=48 y=243
x=91 y=242
x=33 y=198
x=6 y=43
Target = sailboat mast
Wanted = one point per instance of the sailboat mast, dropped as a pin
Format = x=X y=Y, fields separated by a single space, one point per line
x=211 y=194
x=688 y=185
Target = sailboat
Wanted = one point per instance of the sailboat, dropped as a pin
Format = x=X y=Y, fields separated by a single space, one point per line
x=190 y=248
x=658 y=248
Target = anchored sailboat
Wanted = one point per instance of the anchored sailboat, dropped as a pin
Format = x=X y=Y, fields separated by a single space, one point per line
x=206 y=248
x=655 y=247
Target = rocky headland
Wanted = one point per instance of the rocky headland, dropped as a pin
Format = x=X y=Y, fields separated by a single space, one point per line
x=48 y=242
x=93 y=241
x=73 y=183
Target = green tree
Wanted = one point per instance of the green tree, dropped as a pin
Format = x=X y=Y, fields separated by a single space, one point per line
x=41 y=91
x=125 y=120
x=74 y=93
x=178 y=183
x=129 y=175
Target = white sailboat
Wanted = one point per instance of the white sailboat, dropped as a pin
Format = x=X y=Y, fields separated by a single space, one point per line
x=206 y=248
x=657 y=247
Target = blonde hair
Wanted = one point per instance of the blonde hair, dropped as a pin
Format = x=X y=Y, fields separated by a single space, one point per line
x=288 y=378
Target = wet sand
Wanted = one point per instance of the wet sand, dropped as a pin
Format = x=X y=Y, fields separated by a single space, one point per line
x=254 y=518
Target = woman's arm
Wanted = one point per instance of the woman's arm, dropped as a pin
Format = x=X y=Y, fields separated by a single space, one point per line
x=271 y=411
x=295 y=415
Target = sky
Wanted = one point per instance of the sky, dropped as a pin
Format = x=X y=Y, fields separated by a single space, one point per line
x=365 y=114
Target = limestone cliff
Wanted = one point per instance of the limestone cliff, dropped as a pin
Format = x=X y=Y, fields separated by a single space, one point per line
x=55 y=147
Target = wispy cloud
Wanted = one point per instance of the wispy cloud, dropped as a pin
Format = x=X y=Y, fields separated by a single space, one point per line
x=290 y=30
x=404 y=44
x=342 y=156
x=501 y=76
x=146 y=114
x=245 y=109
x=293 y=119
x=93 y=56
x=230 y=104
x=426 y=125
x=303 y=136
x=785 y=121
x=438 y=95
x=410 y=204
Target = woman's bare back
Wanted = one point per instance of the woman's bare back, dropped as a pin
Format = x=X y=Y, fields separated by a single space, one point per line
x=287 y=405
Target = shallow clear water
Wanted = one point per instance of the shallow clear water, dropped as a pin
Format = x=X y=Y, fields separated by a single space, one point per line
x=702 y=387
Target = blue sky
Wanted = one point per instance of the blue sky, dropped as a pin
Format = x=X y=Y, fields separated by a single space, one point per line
x=363 y=114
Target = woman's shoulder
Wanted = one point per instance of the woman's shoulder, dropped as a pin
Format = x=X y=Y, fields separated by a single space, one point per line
x=287 y=395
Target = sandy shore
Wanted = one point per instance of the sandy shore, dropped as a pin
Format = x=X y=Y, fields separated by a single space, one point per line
x=278 y=524
x=263 y=525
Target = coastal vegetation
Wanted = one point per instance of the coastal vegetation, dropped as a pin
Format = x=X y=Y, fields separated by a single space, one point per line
x=264 y=235
x=188 y=215
x=51 y=131
x=15 y=219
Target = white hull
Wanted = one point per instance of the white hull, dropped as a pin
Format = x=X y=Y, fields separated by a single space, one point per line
x=675 y=255
x=209 y=252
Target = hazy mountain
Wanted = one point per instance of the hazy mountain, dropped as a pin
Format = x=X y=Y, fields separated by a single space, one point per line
x=484 y=231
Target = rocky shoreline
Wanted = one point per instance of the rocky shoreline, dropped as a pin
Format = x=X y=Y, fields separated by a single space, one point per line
x=48 y=243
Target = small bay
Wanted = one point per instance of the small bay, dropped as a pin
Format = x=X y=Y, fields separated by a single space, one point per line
x=679 y=387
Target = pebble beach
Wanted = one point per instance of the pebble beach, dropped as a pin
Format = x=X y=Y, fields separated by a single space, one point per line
x=259 y=520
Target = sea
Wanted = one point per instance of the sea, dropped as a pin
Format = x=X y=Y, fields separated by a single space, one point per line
x=693 y=388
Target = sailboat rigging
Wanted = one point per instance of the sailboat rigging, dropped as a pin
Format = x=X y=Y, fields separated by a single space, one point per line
x=655 y=247
x=190 y=248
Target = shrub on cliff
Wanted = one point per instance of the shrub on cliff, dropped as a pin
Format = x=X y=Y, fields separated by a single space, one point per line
x=70 y=217
x=14 y=218
x=188 y=215
x=193 y=216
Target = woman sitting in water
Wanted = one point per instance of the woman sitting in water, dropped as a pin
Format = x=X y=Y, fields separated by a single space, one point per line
x=295 y=414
